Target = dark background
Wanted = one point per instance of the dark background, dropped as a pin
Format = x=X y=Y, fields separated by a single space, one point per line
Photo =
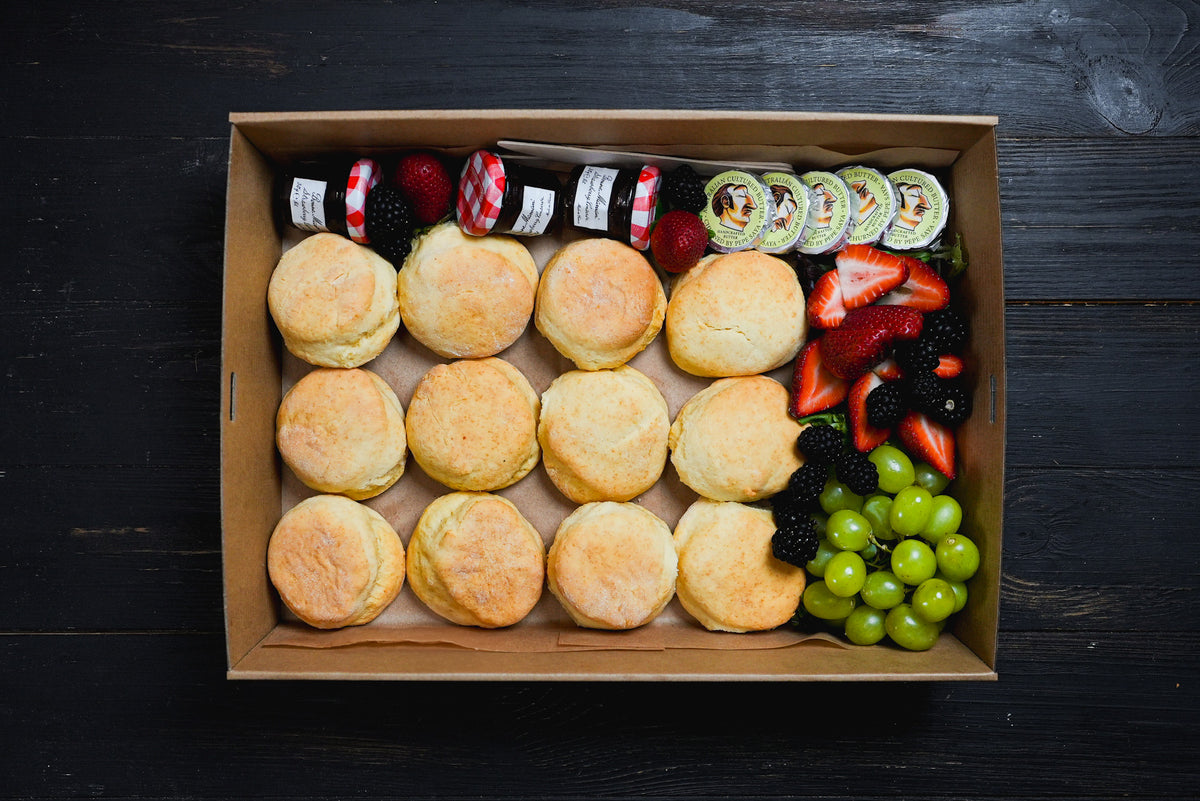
x=112 y=179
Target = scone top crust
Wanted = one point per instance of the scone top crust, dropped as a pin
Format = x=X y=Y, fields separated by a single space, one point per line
x=736 y=314
x=476 y=560
x=735 y=441
x=329 y=293
x=728 y=578
x=335 y=562
x=599 y=303
x=472 y=424
x=342 y=431
x=466 y=297
x=612 y=565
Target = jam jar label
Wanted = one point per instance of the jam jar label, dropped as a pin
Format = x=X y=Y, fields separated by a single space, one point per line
x=924 y=210
x=307 y=201
x=829 y=220
x=791 y=212
x=738 y=209
x=537 y=210
x=877 y=202
x=593 y=196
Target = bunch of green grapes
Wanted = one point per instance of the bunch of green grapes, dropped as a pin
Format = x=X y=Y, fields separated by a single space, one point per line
x=891 y=564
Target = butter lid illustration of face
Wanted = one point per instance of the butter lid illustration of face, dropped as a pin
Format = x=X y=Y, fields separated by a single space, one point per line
x=830 y=219
x=739 y=211
x=792 y=204
x=924 y=211
x=877 y=201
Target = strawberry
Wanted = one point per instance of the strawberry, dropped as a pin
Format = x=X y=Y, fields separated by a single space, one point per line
x=678 y=241
x=864 y=435
x=425 y=182
x=923 y=290
x=814 y=388
x=888 y=370
x=949 y=366
x=865 y=337
x=825 y=308
x=867 y=274
x=929 y=440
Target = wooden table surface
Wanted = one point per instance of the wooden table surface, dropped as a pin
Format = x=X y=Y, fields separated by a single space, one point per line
x=115 y=139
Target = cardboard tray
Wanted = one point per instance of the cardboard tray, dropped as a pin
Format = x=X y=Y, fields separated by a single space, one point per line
x=263 y=643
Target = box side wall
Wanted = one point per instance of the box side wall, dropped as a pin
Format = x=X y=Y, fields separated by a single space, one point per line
x=250 y=392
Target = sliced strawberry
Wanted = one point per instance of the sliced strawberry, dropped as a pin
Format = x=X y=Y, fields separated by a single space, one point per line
x=865 y=337
x=814 y=388
x=949 y=366
x=867 y=274
x=888 y=369
x=923 y=290
x=929 y=440
x=865 y=436
x=825 y=308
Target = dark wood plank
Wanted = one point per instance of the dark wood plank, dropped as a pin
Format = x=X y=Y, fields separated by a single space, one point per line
x=182 y=731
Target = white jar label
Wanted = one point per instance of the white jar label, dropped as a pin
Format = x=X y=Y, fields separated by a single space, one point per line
x=537 y=207
x=593 y=196
x=307 y=200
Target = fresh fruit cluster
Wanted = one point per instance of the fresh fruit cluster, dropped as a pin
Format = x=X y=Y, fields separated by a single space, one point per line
x=679 y=238
x=885 y=556
x=419 y=193
x=890 y=347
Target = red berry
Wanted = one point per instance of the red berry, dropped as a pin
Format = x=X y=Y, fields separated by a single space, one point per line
x=814 y=388
x=426 y=183
x=865 y=337
x=867 y=274
x=678 y=241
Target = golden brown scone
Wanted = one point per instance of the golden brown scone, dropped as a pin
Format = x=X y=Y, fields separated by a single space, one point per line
x=603 y=434
x=612 y=565
x=735 y=441
x=342 y=431
x=472 y=424
x=728 y=578
x=465 y=297
x=736 y=314
x=475 y=560
x=335 y=562
x=599 y=303
x=334 y=301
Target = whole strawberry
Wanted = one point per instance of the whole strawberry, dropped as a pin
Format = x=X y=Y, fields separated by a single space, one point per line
x=865 y=338
x=678 y=241
x=424 y=180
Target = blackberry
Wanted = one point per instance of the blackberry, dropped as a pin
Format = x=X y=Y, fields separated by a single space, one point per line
x=683 y=189
x=395 y=251
x=946 y=328
x=922 y=389
x=947 y=401
x=885 y=405
x=796 y=544
x=820 y=443
x=919 y=355
x=857 y=472
x=389 y=217
x=790 y=515
x=806 y=483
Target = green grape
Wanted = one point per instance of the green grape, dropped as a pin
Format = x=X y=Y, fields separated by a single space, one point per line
x=820 y=602
x=870 y=552
x=837 y=496
x=930 y=477
x=944 y=518
x=960 y=594
x=895 y=468
x=909 y=631
x=913 y=561
x=865 y=626
x=882 y=590
x=848 y=530
x=957 y=557
x=845 y=574
x=910 y=511
x=824 y=551
x=933 y=600
x=820 y=519
x=876 y=508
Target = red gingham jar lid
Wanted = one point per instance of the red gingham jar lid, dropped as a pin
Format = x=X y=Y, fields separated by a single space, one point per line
x=645 y=203
x=364 y=175
x=480 y=193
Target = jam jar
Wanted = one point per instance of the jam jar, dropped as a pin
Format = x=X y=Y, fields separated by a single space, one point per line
x=620 y=203
x=327 y=196
x=496 y=196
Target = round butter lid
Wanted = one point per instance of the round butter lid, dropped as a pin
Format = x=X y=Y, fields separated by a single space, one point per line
x=790 y=221
x=738 y=210
x=364 y=175
x=830 y=221
x=877 y=201
x=480 y=193
x=924 y=211
x=645 y=204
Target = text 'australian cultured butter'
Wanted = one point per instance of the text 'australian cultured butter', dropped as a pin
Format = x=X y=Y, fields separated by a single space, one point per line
x=876 y=201
x=924 y=211
x=739 y=211
x=831 y=220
